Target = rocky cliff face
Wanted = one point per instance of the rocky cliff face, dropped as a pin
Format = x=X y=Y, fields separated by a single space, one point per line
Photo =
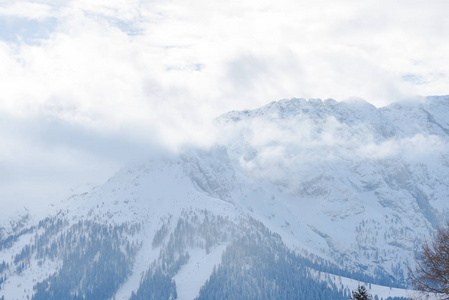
x=371 y=182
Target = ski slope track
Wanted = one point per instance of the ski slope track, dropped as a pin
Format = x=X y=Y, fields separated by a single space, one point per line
x=299 y=199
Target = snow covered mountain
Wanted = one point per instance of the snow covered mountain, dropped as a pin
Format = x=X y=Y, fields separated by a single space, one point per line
x=296 y=198
x=371 y=182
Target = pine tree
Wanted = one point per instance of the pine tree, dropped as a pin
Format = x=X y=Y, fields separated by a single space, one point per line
x=361 y=294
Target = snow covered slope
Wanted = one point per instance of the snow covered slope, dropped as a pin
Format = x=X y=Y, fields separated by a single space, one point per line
x=292 y=189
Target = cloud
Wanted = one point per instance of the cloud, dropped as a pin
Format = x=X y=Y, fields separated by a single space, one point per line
x=297 y=150
x=410 y=148
x=26 y=10
x=147 y=73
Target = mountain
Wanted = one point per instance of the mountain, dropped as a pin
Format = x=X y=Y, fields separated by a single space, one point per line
x=297 y=200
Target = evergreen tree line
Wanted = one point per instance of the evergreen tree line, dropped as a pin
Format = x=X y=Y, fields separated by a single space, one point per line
x=156 y=285
x=96 y=260
x=251 y=268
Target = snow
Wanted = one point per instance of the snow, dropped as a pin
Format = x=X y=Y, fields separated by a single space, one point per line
x=192 y=276
x=144 y=258
x=346 y=164
x=20 y=286
x=375 y=290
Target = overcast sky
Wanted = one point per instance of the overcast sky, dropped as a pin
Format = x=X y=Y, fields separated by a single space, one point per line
x=86 y=85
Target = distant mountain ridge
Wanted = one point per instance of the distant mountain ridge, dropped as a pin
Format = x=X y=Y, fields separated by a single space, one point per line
x=293 y=189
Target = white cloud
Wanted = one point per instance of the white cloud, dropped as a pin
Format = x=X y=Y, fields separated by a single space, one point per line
x=26 y=9
x=293 y=151
x=160 y=71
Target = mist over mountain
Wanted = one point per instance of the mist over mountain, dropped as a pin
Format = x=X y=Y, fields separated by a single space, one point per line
x=298 y=199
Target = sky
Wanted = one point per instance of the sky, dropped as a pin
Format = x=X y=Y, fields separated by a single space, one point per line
x=89 y=85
